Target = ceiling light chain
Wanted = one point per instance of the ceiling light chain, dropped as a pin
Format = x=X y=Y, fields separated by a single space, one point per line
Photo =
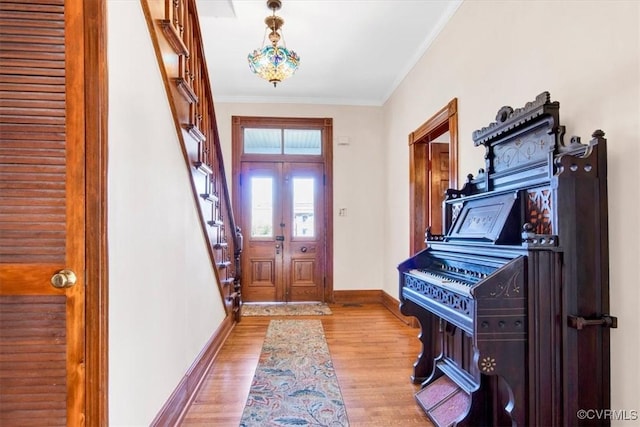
x=273 y=62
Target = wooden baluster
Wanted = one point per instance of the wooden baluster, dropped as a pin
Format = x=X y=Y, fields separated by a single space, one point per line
x=189 y=61
x=171 y=27
x=197 y=86
x=168 y=4
x=204 y=124
x=175 y=16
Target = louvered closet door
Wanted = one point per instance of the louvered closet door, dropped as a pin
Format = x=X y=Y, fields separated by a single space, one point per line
x=41 y=213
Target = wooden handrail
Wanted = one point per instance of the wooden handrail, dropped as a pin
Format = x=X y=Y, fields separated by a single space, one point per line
x=175 y=30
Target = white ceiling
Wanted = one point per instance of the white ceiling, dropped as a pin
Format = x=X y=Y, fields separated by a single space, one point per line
x=352 y=52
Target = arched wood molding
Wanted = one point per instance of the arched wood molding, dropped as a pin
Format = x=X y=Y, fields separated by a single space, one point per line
x=419 y=140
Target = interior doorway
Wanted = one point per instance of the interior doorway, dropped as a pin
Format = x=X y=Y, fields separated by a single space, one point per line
x=433 y=168
x=282 y=199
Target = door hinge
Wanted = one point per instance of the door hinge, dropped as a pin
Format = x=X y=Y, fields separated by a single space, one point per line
x=240 y=179
x=324 y=179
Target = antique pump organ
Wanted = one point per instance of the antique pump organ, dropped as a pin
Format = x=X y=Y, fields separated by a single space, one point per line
x=513 y=298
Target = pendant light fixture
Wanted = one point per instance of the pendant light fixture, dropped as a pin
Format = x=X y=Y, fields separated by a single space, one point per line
x=274 y=62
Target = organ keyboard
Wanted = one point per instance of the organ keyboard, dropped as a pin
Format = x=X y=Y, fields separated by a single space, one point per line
x=458 y=285
x=498 y=294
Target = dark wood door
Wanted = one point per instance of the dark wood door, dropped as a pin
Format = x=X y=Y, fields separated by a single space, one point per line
x=438 y=182
x=42 y=213
x=283 y=218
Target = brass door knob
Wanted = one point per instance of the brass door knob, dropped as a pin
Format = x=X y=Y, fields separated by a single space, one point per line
x=64 y=279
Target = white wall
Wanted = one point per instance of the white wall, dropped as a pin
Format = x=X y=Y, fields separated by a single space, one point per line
x=358 y=183
x=495 y=53
x=164 y=303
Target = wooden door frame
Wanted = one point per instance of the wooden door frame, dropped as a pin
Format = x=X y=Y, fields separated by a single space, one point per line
x=96 y=261
x=326 y=124
x=419 y=140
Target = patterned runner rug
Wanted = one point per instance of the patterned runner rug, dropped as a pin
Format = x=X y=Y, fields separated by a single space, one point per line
x=295 y=383
x=302 y=309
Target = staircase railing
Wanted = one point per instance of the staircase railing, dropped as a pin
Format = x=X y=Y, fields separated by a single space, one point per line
x=175 y=30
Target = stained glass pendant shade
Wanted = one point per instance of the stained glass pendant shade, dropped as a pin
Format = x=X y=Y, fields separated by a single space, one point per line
x=274 y=62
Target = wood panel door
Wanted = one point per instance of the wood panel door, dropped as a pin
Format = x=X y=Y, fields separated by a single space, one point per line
x=283 y=218
x=42 y=213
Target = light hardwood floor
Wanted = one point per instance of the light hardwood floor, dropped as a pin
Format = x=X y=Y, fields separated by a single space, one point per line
x=372 y=351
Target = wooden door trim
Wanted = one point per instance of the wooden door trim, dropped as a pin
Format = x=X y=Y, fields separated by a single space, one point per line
x=96 y=261
x=328 y=202
x=326 y=124
x=75 y=198
x=419 y=140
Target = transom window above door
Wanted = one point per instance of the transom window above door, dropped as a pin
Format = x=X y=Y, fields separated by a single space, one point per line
x=306 y=142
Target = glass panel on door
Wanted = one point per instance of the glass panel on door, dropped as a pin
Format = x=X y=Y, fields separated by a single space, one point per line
x=261 y=206
x=303 y=207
